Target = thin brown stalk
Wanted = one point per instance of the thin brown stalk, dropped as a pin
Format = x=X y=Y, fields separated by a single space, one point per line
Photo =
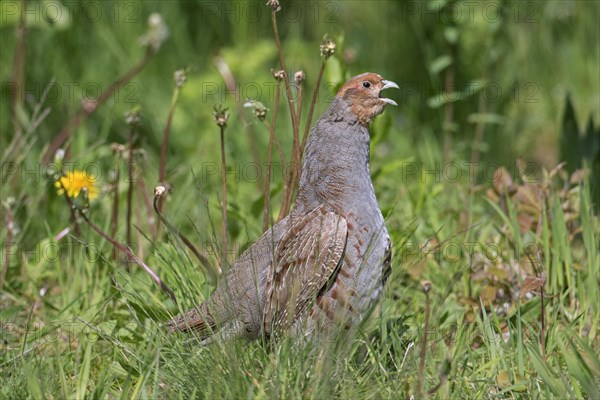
x=426 y=288
x=162 y=168
x=224 y=195
x=9 y=220
x=289 y=191
x=267 y=192
x=212 y=272
x=286 y=81
x=140 y=234
x=19 y=71
x=299 y=107
x=279 y=150
x=539 y=282
x=229 y=79
x=130 y=178
x=114 y=218
x=89 y=109
x=543 y=321
x=147 y=202
x=479 y=129
x=71 y=207
x=311 y=110
x=131 y=256
x=295 y=157
x=449 y=108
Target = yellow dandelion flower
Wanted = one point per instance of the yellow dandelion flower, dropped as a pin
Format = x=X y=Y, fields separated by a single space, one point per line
x=74 y=182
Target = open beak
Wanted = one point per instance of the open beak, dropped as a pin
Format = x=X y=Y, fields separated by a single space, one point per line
x=387 y=85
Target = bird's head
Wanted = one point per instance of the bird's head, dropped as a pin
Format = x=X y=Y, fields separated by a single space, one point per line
x=363 y=95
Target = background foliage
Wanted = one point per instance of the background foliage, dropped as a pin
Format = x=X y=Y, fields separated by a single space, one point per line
x=482 y=85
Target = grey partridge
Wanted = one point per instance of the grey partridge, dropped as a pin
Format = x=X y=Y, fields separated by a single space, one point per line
x=323 y=267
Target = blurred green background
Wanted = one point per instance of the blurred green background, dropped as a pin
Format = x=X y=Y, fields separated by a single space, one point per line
x=481 y=81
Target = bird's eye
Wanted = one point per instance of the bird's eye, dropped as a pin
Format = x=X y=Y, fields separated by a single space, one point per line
x=367 y=84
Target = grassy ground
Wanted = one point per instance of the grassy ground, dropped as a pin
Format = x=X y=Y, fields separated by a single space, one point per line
x=96 y=331
x=495 y=276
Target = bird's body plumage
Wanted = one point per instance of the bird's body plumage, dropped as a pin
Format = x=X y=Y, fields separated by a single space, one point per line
x=322 y=267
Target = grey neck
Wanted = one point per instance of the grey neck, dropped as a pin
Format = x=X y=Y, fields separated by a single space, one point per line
x=336 y=164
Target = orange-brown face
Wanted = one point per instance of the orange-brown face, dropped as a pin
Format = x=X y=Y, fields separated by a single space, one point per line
x=363 y=93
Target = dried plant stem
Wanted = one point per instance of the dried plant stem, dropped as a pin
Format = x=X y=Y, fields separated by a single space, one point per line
x=229 y=79
x=311 y=110
x=125 y=249
x=423 y=351
x=279 y=150
x=288 y=194
x=114 y=223
x=479 y=131
x=299 y=108
x=543 y=321
x=140 y=237
x=9 y=220
x=71 y=207
x=162 y=168
x=114 y=218
x=147 y=201
x=18 y=77
x=224 y=195
x=295 y=157
x=88 y=110
x=212 y=272
x=267 y=192
x=541 y=283
x=286 y=81
x=130 y=179
x=449 y=109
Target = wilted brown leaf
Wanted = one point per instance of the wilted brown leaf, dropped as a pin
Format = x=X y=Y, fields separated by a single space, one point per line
x=503 y=183
x=493 y=196
x=532 y=283
x=525 y=222
x=577 y=177
x=556 y=170
x=529 y=198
